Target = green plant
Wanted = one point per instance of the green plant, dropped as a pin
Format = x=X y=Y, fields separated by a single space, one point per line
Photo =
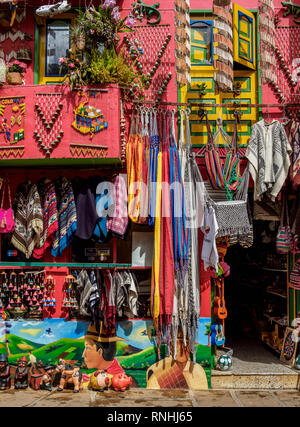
x=102 y=24
x=16 y=67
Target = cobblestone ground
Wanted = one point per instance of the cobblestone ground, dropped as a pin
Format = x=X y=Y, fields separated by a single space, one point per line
x=151 y=398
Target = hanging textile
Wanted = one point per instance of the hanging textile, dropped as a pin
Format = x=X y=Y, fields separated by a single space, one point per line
x=85 y=208
x=135 y=162
x=223 y=40
x=268 y=153
x=153 y=166
x=46 y=190
x=28 y=219
x=66 y=215
x=182 y=42
x=178 y=211
x=266 y=29
x=163 y=268
x=118 y=222
x=292 y=129
x=144 y=204
x=186 y=309
x=104 y=207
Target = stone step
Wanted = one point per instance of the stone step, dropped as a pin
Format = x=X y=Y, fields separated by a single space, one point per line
x=230 y=380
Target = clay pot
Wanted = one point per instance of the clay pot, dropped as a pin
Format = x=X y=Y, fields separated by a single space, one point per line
x=14 y=78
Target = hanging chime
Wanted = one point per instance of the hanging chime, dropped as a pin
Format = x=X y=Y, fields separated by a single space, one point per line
x=223 y=41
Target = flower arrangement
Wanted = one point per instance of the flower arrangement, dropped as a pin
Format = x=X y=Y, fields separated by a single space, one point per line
x=96 y=60
x=16 y=67
x=101 y=25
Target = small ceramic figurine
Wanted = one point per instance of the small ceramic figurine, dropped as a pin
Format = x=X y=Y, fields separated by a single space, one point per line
x=21 y=377
x=120 y=382
x=71 y=375
x=99 y=381
x=5 y=380
x=47 y=378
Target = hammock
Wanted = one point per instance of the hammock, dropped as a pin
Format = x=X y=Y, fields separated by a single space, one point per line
x=178 y=210
x=163 y=279
x=227 y=177
x=152 y=176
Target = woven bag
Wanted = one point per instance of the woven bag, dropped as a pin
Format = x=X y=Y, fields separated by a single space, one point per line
x=295 y=276
x=284 y=238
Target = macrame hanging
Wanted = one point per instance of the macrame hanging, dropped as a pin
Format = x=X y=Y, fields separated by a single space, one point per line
x=182 y=42
x=267 y=41
x=224 y=47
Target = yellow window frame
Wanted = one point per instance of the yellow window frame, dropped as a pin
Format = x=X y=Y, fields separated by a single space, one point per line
x=238 y=36
x=42 y=48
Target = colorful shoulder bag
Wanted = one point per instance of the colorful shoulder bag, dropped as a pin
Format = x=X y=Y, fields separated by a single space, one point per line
x=284 y=238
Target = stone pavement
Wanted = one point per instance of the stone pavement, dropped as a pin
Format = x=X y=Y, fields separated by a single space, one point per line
x=151 y=398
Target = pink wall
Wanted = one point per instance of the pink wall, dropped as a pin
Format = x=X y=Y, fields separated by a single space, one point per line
x=108 y=102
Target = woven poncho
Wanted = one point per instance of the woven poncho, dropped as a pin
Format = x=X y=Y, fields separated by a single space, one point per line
x=28 y=219
x=67 y=217
x=49 y=208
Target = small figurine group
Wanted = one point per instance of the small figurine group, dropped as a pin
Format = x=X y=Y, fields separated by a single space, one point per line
x=21 y=375
x=101 y=380
x=40 y=377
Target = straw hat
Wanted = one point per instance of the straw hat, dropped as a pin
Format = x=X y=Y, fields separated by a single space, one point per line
x=102 y=335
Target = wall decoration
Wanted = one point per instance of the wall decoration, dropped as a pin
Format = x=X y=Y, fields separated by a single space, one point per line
x=79 y=150
x=48 y=121
x=88 y=119
x=50 y=10
x=140 y=10
x=154 y=61
x=286 y=87
x=53 y=339
x=12 y=119
x=15 y=151
x=292 y=8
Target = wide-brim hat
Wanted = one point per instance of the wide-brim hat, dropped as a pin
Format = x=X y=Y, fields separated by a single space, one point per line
x=23 y=359
x=102 y=335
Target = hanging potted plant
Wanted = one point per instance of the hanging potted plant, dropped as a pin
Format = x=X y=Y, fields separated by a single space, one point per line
x=78 y=37
x=15 y=73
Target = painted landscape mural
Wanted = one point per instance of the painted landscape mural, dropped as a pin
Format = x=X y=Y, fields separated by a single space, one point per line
x=53 y=339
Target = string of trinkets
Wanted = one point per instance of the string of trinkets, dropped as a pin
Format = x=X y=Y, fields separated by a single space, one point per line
x=22 y=293
x=223 y=39
x=69 y=300
x=266 y=28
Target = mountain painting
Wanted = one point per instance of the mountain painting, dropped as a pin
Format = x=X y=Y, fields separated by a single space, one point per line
x=53 y=339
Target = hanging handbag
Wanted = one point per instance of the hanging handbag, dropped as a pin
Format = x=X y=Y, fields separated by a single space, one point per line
x=7 y=220
x=295 y=276
x=284 y=238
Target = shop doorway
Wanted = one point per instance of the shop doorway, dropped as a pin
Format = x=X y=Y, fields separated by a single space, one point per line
x=255 y=295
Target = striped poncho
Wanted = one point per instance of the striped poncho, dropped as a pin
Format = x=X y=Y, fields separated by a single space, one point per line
x=28 y=219
x=67 y=217
x=49 y=207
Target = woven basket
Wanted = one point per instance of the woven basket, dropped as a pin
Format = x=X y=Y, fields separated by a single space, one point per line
x=14 y=78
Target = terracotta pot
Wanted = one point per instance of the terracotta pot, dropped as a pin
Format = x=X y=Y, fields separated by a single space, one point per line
x=14 y=78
